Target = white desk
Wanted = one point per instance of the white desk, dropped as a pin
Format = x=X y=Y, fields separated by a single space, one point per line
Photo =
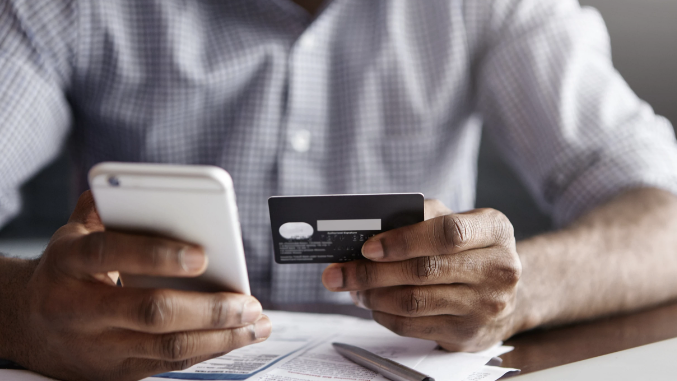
x=655 y=362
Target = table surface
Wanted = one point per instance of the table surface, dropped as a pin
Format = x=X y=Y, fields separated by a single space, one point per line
x=547 y=348
x=542 y=349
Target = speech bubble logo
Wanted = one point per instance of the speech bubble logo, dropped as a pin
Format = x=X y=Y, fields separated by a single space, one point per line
x=296 y=230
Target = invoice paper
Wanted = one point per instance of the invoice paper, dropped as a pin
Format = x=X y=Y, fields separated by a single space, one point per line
x=299 y=349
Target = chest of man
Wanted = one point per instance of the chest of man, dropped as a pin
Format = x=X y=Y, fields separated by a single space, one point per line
x=218 y=83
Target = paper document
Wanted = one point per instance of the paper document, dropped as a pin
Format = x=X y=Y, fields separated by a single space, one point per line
x=489 y=373
x=299 y=349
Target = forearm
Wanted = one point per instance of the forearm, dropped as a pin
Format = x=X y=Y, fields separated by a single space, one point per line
x=621 y=256
x=14 y=274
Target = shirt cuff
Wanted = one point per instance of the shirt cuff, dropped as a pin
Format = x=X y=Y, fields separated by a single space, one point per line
x=638 y=161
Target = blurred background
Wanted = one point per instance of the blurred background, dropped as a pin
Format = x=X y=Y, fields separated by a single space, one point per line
x=644 y=44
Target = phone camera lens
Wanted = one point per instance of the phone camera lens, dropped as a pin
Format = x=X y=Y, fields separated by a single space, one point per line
x=113 y=181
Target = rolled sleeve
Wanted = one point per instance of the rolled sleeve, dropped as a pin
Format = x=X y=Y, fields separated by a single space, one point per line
x=563 y=116
x=644 y=157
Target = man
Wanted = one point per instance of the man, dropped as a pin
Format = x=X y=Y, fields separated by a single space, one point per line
x=365 y=96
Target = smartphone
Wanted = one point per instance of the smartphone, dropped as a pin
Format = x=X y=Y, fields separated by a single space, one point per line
x=190 y=203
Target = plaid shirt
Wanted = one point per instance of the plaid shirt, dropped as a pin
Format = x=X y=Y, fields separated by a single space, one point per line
x=370 y=96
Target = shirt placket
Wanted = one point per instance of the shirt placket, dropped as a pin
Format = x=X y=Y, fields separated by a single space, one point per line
x=302 y=157
x=302 y=164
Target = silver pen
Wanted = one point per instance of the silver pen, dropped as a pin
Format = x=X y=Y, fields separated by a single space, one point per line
x=388 y=368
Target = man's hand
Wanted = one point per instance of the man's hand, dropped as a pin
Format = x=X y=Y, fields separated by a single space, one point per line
x=73 y=322
x=452 y=278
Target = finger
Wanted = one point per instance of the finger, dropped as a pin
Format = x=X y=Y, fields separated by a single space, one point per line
x=447 y=234
x=179 y=346
x=102 y=252
x=434 y=208
x=469 y=267
x=414 y=301
x=165 y=310
x=457 y=333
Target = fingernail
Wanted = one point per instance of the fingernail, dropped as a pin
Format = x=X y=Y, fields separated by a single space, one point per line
x=262 y=328
x=251 y=311
x=191 y=259
x=334 y=277
x=372 y=249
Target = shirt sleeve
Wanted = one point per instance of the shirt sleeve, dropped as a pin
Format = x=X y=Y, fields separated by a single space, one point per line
x=37 y=42
x=562 y=115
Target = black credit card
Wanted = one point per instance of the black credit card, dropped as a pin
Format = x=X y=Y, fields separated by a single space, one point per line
x=332 y=229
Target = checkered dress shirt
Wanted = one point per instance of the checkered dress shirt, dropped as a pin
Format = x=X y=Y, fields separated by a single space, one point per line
x=370 y=96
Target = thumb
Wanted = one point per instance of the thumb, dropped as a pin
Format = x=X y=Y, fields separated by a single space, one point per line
x=85 y=213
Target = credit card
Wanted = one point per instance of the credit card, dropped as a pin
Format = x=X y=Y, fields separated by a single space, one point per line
x=333 y=228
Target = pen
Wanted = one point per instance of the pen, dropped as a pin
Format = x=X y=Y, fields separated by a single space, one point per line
x=388 y=368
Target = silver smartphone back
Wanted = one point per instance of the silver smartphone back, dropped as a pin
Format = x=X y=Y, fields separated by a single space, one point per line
x=195 y=204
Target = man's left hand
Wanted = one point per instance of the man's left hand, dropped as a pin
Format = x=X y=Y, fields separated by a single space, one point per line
x=452 y=278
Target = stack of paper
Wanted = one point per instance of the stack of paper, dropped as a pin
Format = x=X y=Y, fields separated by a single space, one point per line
x=300 y=350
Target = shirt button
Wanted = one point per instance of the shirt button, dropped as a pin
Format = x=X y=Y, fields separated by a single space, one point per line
x=300 y=141
x=307 y=41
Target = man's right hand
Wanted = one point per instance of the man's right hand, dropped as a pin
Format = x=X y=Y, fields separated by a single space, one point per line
x=72 y=322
